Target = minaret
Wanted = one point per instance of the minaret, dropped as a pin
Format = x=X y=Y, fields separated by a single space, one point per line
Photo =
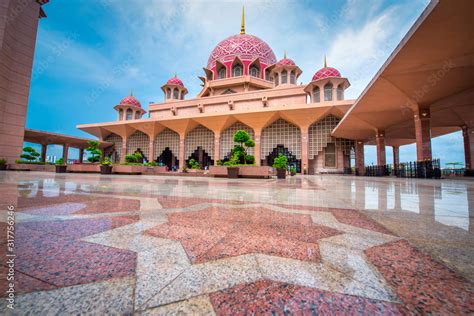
x=242 y=27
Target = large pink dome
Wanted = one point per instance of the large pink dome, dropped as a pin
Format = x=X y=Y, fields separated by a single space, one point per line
x=326 y=72
x=130 y=100
x=246 y=47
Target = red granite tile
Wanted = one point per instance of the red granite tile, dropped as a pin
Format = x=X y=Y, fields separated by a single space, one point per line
x=346 y=216
x=22 y=283
x=219 y=232
x=421 y=282
x=78 y=228
x=92 y=204
x=63 y=261
x=180 y=202
x=276 y=298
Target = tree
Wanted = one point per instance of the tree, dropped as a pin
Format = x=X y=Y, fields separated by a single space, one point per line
x=30 y=154
x=94 y=151
x=245 y=142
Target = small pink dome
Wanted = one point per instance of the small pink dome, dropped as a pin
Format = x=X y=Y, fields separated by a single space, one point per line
x=326 y=72
x=286 y=62
x=175 y=81
x=130 y=100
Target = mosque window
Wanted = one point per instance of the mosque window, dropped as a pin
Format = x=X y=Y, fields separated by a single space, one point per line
x=129 y=114
x=137 y=115
x=237 y=71
x=292 y=77
x=276 y=80
x=316 y=93
x=284 y=77
x=340 y=93
x=267 y=75
x=120 y=114
x=254 y=71
x=168 y=93
x=330 y=156
x=328 y=92
x=175 y=94
x=228 y=91
x=221 y=74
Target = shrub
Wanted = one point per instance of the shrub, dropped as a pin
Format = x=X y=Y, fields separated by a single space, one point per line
x=219 y=163
x=60 y=162
x=3 y=161
x=151 y=164
x=30 y=154
x=193 y=164
x=245 y=142
x=106 y=162
x=280 y=162
x=133 y=158
x=94 y=151
x=249 y=159
x=293 y=169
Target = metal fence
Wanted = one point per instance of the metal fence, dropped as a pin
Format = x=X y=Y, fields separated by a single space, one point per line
x=428 y=169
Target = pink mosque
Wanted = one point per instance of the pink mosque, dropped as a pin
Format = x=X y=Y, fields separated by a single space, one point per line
x=244 y=87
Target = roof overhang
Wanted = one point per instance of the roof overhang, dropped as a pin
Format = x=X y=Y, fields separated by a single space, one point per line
x=432 y=67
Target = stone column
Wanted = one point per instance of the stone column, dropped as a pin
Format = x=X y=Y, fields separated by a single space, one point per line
x=468 y=137
x=44 y=148
x=151 y=149
x=65 y=152
x=423 y=134
x=81 y=155
x=304 y=149
x=182 y=158
x=257 y=135
x=359 y=158
x=124 y=150
x=217 y=147
x=396 y=155
x=380 y=143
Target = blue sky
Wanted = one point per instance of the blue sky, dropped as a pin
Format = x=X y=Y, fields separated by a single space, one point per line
x=90 y=53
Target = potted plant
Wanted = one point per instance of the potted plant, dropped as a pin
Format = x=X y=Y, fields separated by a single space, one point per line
x=232 y=169
x=280 y=164
x=292 y=171
x=3 y=164
x=94 y=151
x=106 y=166
x=60 y=166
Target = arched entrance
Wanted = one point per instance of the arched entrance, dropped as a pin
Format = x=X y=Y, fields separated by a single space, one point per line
x=167 y=158
x=281 y=136
x=166 y=149
x=202 y=157
x=292 y=160
x=199 y=145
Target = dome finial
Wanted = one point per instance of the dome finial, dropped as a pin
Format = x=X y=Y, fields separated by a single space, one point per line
x=175 y=74
x=242 y=27
x=284 y=54
x=131 y=92
x=325 y=63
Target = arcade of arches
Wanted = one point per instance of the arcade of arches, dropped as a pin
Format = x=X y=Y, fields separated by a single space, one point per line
x=314 y=150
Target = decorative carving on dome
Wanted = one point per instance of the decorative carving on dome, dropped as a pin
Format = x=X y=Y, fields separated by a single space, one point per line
x=244 y=46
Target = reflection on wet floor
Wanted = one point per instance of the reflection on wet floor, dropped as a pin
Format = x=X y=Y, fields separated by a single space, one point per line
x=196 y=244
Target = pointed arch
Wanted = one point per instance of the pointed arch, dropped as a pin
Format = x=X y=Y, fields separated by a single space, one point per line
x=138 y=141
x=166 y=139
x=281 y=132
x=114 y=151
x=237 y=68
x=227 y=139
x=199 y=137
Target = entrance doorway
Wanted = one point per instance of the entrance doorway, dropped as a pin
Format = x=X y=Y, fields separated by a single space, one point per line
x=292 y=161
x=168 y=159
x=202 y=157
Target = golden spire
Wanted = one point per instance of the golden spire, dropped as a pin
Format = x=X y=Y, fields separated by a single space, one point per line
x=131 y=93
x=175 y=74
x=242 y=28
x=325 y=63
x=284 y=54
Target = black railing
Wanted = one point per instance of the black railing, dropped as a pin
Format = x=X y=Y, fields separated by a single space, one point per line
x=428 y=169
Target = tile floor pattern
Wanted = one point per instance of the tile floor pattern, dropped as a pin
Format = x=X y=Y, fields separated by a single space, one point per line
x=305 y=245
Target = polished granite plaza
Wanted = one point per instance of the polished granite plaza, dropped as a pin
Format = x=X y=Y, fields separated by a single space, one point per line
x=180 y=245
